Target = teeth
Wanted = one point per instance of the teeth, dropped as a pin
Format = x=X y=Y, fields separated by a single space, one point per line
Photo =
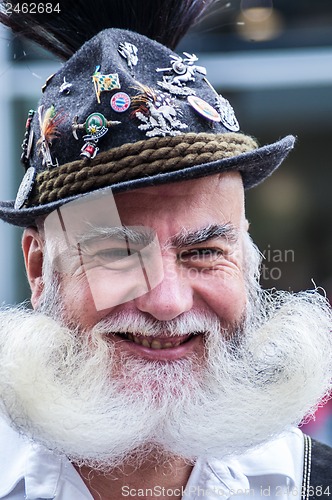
x=154 y=344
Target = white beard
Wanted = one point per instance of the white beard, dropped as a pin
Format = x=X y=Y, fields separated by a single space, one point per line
x=64 y=389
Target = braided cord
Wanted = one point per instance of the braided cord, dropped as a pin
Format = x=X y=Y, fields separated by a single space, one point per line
x=137 y=160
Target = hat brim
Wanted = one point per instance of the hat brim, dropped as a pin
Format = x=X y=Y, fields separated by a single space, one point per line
x=254 y=166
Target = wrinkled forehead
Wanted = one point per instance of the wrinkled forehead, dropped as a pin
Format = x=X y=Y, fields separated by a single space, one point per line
x=199 y=202
x=78 y=217
x=218 y=198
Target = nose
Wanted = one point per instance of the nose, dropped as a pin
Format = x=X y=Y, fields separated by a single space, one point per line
x=170 y=298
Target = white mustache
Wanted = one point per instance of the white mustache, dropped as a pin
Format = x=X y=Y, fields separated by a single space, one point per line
x=193 y=323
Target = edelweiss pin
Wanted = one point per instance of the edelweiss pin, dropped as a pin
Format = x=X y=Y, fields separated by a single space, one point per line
x=96 y=126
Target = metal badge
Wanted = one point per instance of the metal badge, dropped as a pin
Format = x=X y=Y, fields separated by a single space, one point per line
x=204 y=108
x=129 y=52
x=28 y=138
x=120 y=102
x=227 y=115
x=25 y=188
x=65 y=87
x=104 y=82
x=181 y=72
x=175 y=90
x=225 y=110
x=48 y=79
x=157 y=113
x=96 y=126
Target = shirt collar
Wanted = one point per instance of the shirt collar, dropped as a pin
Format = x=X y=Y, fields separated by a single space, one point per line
x=24 y=460
x=282 y=456
x=43 y=474
x=278 y=456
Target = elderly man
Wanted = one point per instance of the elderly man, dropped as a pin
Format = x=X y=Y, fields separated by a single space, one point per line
x=152 y=364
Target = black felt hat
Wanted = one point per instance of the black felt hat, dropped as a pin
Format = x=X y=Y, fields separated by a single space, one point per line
x=125 y=112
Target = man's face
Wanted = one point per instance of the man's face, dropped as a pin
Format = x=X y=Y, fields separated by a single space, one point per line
x=113 y=365
x=199 y=226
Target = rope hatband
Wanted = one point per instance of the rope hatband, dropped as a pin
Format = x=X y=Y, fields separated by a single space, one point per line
x=136 y=160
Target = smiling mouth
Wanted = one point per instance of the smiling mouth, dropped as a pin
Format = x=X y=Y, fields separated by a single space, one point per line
x=156 y=342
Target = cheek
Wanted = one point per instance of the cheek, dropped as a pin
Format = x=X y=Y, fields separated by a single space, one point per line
x=110 y=288
x=224 y=295
x=78 y=303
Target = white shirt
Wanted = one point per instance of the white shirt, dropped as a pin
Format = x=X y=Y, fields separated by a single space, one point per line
x=274 y=471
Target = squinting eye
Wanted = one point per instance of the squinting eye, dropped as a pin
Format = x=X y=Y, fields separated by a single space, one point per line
x=201 y=255
x=210 y=253
x=109 y=255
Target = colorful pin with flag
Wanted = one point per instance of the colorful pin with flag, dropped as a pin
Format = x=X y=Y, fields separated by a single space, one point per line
x=104 y=82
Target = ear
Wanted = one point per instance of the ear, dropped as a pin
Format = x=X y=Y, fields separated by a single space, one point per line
x=33 y=252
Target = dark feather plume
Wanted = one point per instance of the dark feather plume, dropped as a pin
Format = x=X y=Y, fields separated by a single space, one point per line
x=166 y=21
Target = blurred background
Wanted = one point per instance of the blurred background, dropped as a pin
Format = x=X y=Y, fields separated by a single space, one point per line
x=273 y=61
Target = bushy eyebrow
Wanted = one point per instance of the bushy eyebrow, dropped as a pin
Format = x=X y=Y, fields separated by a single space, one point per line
x=142 y=236
x=184 y=238
x=188 y=237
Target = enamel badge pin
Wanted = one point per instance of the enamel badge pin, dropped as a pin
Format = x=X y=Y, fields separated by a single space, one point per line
x=96 y=126
x=120 y=102
x=104 y=82
x=204 y=108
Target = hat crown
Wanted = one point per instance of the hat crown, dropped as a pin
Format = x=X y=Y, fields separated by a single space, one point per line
x=131 y=67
